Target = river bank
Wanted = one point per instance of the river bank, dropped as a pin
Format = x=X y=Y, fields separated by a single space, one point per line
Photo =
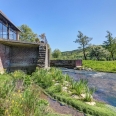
x=101 y=66
x=105 y=83
x=20 y=91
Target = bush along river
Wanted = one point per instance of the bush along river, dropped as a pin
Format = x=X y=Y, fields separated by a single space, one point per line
x=105 y=83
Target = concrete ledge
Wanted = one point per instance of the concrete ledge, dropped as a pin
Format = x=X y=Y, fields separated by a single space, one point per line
x=20 y=43
x=66 y=63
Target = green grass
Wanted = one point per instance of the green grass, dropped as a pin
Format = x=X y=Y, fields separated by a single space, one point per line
x=99 y=110
x=19 y=94
x=55 y=91
x=103 y=66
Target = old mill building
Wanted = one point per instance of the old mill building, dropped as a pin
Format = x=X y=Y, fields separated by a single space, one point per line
x=19 y=55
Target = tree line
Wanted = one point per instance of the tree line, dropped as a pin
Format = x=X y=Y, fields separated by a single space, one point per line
x=106 y=51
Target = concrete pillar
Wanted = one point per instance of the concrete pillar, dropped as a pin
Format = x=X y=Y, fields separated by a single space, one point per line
x=46 y=57
x=17 y=35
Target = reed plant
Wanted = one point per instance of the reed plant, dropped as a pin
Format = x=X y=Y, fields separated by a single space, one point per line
x=88 y=94
x=68 y=78
x=81 y=86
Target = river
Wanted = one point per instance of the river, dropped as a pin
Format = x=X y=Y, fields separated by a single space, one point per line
x=105 y=83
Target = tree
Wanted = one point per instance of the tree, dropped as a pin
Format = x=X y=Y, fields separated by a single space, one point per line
x=43 y=38
x=110 y=44
x=98 y=52
x=84 y=43
x=27 y=34
x=56 y=53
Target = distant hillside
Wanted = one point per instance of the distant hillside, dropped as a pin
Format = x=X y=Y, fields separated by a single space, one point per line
x=78 y=54
x=74 y=54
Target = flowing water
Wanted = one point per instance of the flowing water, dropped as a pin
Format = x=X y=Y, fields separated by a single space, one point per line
x=105 y=83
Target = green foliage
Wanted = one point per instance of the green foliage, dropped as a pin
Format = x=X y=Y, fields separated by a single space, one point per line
x=43 y=79
x=110 y=44
x=27 y=34
x=56 y=53
x=98 y=52
x=68 y=78
x=107 y=51
x=21 y=102
x=73 y=84
x=27 y=80
x=48 y=79
x=105 y=66
x=89 y=93
x=81 y=86
x=26 y=101
x=84 y=42
x=17 y=75
x=6 y=88
x=89 y=110
x=54 y=89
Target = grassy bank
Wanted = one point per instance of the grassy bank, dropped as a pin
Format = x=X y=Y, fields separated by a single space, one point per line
x=19 y=94
x=103 y=66
x=64 y=89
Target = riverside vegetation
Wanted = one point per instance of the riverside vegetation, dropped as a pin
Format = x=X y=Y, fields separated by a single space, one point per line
x=20 y=94
x=104 y=66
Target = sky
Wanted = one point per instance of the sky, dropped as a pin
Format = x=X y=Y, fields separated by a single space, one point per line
x=61 y=20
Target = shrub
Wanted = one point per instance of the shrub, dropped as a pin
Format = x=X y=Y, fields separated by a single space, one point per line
x=17 y=75
x=6 y=88
x=79 y=86
x=27 y=80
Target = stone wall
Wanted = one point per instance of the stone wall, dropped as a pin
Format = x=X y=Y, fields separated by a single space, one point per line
x=24 y=58
x=65 y=63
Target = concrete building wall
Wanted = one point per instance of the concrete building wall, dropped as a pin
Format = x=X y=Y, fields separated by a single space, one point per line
x=22 y=57
x=4 y=57
x=15 y=54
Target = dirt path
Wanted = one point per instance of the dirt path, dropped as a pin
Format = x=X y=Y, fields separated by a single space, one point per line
x=61 y=109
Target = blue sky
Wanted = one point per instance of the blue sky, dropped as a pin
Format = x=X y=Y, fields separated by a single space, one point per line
x=61 y=20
